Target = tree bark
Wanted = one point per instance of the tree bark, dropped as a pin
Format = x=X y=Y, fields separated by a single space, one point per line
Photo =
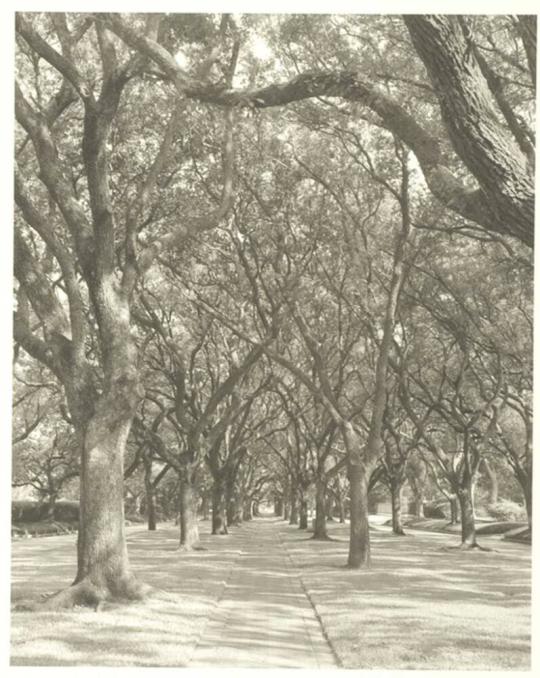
x=219 y=523
x=359 y=543
x=286 y=510
x=395 y=493
x=189 y=530
x=233 y=513
x=293 y=519
x=303 y=514
x=247 y=513
x=205 y=506
x=468 y=526
x=454 y=511
x=51 y=505
x=330 y=508
x=320 y=531
x=103 y=569
x=486 y=147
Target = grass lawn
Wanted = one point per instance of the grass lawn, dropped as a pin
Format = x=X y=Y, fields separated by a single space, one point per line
x=161 y=631
x=420 y=606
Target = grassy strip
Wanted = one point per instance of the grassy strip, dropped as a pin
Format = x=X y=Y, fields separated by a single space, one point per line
x=420 y=606
x=161 y=631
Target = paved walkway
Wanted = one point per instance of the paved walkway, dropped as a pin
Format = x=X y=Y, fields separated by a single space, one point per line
x=263 y=619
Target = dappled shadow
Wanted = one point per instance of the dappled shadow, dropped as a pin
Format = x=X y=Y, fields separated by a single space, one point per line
x=418 y=606
x=161 y=631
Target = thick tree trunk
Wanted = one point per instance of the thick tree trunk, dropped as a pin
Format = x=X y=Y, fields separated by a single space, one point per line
x=234 y=512
x=395 y=493
x=255 y=509
x=468 y=525
x=359 y=543
x=320 y=511
x=419 y=504
x=247 y=512
x=189 y=530
x=286 y=510
x=219 y=524
x=303 y=515
x=330 y=505
x=454 y=510
x=416 y=476
x=103 y=569
x=205 y=506
x=293 y=518
x=51 y=505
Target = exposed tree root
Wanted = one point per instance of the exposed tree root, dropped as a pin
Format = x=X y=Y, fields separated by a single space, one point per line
x=325 y=537
x=468 y=547
x=188 y=548
x=87 y=594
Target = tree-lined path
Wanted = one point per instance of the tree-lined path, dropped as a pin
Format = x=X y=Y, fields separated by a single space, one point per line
x=264 y=618
x=241 y=602
x=282 y=264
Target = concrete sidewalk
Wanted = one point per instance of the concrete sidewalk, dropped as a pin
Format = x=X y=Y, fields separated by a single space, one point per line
x=263 y=619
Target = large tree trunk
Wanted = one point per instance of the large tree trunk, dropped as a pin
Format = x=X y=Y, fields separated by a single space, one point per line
x=320 y=511
x=233 y=513
x=419 y=498
x=395 y=493
x=359 y=543
x=468 y=525
x=205 y=506
x=330 y=507
x=247 y=512
x=286 y=510
x=103 y=569
x=219 y=523
x=303 y=516
x=454 y=510
x=51 y=505
x=189 y=529
x=293 y=519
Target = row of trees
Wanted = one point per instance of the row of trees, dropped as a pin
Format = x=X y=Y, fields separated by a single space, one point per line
x=282 y=298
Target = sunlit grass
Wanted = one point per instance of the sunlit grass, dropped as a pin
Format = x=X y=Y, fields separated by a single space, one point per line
x=420 y=606
x=161 y=631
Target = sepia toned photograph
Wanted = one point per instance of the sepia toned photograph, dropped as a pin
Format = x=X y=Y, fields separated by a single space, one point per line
x=272 y=340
